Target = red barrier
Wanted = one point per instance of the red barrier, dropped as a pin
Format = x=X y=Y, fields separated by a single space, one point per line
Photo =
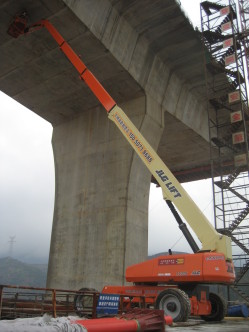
x=132 y=321
x=109 y=325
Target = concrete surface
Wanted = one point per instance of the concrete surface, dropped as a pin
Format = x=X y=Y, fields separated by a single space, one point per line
x=101 y=205
x=160 y=50
x=149 y=58
x=228 y=325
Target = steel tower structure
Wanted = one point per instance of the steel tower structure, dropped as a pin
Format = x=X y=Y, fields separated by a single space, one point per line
x=225 y=43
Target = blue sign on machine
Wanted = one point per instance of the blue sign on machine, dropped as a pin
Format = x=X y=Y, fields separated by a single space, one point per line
x=108 y=304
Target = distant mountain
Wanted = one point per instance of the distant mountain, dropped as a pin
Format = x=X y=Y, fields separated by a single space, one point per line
x=166 y=254
x=14 y=272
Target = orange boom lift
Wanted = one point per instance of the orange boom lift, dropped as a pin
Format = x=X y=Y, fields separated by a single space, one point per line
x=178 y=284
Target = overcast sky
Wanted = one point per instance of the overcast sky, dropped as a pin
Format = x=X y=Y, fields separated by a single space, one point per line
x=27 y=185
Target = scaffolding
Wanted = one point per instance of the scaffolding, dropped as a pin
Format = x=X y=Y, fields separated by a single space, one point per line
x=225 y=43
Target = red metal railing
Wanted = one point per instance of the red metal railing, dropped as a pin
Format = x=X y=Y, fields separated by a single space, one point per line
x=23 y=301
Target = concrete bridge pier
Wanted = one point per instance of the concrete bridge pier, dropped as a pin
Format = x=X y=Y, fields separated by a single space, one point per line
x=102 y=190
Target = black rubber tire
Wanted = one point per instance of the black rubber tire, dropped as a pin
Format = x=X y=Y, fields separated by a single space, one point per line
x=219 y=308
x=175 y=303
x=83 y=302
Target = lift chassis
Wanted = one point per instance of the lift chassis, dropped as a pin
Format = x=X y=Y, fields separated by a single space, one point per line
x=175 y=283
x=178 y=284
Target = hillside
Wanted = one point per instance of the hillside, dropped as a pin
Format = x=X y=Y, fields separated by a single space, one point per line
x=14 y=272
x=166 y=253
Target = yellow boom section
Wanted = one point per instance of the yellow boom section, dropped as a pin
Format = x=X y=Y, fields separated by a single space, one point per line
x=172 y=189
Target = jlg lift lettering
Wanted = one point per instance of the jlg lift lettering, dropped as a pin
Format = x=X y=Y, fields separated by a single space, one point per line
x=168 y=184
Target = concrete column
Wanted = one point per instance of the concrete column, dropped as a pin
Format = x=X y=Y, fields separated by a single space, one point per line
x=102 y=188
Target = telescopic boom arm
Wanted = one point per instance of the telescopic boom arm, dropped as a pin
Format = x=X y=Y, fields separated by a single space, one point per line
x=172 y=190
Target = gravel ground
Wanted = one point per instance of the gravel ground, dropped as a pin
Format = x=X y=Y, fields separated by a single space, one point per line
x=228 y=325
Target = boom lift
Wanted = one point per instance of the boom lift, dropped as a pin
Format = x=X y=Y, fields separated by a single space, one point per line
x=175 y=283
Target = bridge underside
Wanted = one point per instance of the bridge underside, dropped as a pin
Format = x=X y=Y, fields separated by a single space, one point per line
x=34 y=72
x=149 y=58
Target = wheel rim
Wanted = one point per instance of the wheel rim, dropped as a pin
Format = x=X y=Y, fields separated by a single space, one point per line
x=170 y=305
